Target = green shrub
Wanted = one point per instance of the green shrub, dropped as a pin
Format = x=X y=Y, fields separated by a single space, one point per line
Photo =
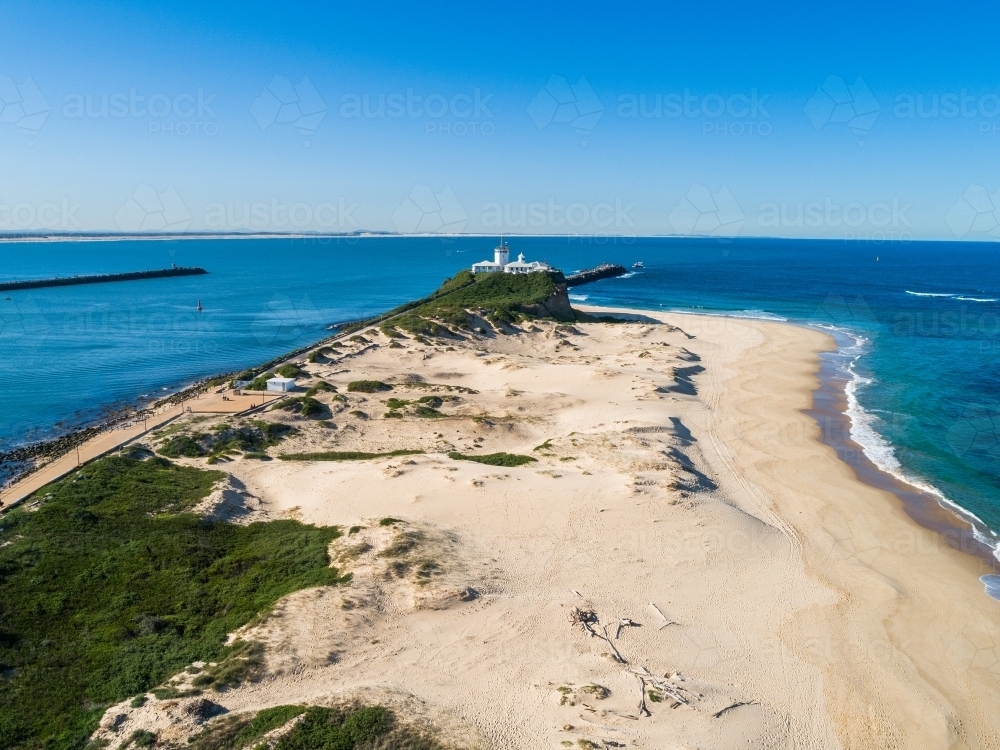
x=427 y=412
x=305 y=406
x=291 y=371
x=494 y=459
x=321 y=386
x=259 y=383
x=182 y=445
x=111 y=586
x=142 y=738
x=368 y=386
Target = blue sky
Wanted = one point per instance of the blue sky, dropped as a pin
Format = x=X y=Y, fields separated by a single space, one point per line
x=851 y=121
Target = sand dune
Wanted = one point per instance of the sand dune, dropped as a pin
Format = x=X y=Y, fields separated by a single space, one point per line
x=771 y=599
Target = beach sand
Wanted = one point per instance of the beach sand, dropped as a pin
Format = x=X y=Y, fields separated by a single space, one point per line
x=679 y=484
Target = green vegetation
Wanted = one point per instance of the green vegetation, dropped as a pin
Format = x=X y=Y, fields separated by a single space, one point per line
x=427 y=412
x=368 y=386
x=182 y=445
x=344 y=455
x=305 y=406
x=425 y=407
x=388 y=521
x=259 y=383
x=500 y=296
x=320 y=387
x=598 y=691
x=494 y=459
x=242 y=730
x=143 y=738
x=111 y=586
x=503 y=297
x=244 y=663
x=347 y=729
x=292 y=371
x=249 y=438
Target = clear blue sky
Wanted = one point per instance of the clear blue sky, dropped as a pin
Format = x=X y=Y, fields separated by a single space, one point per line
x=732 y=118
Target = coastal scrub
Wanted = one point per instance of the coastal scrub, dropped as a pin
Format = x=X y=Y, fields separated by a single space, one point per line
x=112 y=585
x=494 y=459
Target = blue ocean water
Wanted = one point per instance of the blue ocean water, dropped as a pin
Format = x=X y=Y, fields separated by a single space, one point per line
x=925 y=319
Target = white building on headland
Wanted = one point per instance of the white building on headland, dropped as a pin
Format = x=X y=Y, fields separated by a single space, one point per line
x=501 y=262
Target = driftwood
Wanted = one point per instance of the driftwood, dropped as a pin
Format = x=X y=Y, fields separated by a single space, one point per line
x=727 y=709
x=588 y=618
x=625 y=623
x=666 y=620
x=675 y=692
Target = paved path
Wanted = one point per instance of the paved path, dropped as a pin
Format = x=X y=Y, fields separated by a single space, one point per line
x=108 y=441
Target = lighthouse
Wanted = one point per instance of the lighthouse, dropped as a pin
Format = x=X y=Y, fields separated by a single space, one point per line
x=501 y=263
x=501 y=254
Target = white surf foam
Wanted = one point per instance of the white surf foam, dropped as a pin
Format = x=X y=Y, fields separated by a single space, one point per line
x=749 y=314
x=578 y=297
x=992 y=584
x=955 y=295
x=882 y=453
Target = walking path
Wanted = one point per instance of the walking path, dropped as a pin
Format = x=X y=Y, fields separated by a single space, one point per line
x=114 y=438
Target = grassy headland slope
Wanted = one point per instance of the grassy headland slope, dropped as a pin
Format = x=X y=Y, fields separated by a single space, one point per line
x=111 y=585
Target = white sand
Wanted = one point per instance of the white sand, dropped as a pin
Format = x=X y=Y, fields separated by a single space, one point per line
x=804 y=602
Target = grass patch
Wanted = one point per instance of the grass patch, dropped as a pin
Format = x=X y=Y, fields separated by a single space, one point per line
x=183 y=445
x=240 y=731
x=344 y=455
x=546 y=446
x=253 y=437
x=321 y=387
x=291 y=371
x=305 y=406
x=350 y=728
x=388 y=521
x=427 y=412
x=494 y=459
x=142 y=738
x=368 y=386
x=244 y=663
x=111 y=586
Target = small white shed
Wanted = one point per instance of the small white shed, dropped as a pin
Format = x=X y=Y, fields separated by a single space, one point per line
x=282 y=385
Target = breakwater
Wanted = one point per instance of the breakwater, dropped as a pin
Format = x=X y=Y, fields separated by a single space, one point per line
x=9 y=286
x=603 y=271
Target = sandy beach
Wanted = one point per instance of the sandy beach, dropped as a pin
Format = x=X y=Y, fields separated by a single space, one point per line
x=683 y=565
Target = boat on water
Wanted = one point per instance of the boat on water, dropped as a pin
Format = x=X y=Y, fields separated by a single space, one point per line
x=638 y=264
x=199 y=306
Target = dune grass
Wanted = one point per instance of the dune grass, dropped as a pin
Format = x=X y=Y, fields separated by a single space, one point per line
x=111 y=586
x=368 y=386
x=494 y=459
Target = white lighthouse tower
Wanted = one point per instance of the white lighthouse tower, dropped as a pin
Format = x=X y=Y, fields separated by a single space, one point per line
x=501 y=254
x=501 y=263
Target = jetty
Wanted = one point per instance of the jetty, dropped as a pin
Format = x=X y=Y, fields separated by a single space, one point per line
x=603 y=271
x=9 y=286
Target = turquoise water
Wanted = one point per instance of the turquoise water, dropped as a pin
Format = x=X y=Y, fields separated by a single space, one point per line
x=924 y=317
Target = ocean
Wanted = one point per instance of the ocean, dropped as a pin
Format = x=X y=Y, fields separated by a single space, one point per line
x=919 y=324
